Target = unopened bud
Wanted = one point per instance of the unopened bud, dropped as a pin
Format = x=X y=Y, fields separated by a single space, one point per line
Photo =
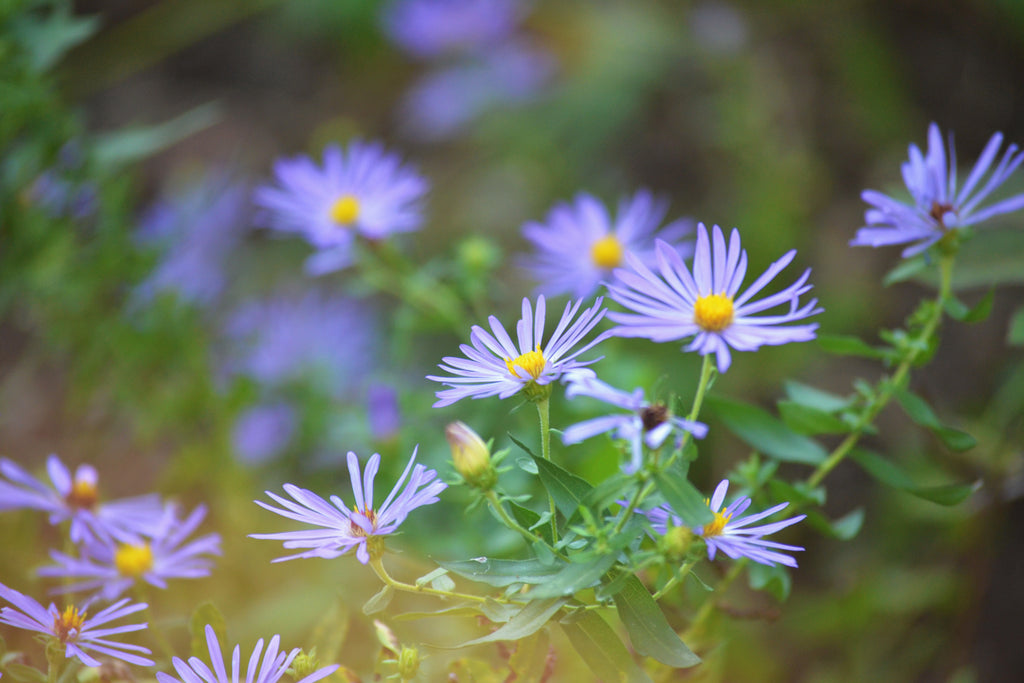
x=304 y=664
x=471 y=457
x=676 y=541
x=408 y=663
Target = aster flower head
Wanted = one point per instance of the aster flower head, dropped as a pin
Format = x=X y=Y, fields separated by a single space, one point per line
x=731 y=533
x=708 y=305
x=263 y=667
x=341 y=528
x=495 y=366
x=645 y=424
x=76 y=631
x=110 y=567
x=432 y=28
x=77 y=498
x=361 y=190
x=939 y=208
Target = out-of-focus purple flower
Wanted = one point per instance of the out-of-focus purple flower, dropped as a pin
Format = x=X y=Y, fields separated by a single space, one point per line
x=444 y=101
x=195 y=231
x=59 y=192
x=433 y=28
x=579 y=245
x=938 y=207
x=383 y=412
x=646 y=423
x=76 y=498
x=264 y=431
x=342 y=528
x=707 y=305
x=111 y=567
x=362 y=190
x=328 y=338
x=75 y=630
x=270 y=669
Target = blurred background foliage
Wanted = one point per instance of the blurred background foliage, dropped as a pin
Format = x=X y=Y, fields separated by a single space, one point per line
x=770 y=116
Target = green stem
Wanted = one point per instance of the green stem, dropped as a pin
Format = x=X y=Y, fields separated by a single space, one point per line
x=377 y=564
x=676 y=578
x=544 y=413
x=511 y=523
x=708 y=606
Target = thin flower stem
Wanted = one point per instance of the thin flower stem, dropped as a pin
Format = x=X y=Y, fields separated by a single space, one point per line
x=377 y=564
x=708 y=606
x=676 y=578
x=888 y=385
x=544 y=413
x=511 y=523
x=141 y=594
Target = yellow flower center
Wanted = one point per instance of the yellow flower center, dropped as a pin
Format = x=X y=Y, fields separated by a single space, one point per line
x=713 y=313
x=83 y=494
x=68 y=624
x=369 y=514
x=607 y=252
x=717 y=526
x=533 y=362
x=133 y=560
x=345 y=210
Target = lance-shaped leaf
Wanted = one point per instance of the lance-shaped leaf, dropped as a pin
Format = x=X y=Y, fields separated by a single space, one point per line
x=920 y=412
x=813 y=397
x=526 y=622
x=807 y=420
x=504 y=572
x=842 y=345
x=648 y=629
x=567 y=490
x=960 y=311
x=575 y=577
x=206 y=613
x=766 y=434
x=601 y=648
x=889 y=473
x=683 y=498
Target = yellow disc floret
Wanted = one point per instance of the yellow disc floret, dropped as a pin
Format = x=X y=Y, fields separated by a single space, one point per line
x=345 y=210
x=607 y=252
x=68 y=624
x=532 y=361
x=83 y=494
x=133 y=560
x=713 y=313
x=369 y=514
x=717 y=526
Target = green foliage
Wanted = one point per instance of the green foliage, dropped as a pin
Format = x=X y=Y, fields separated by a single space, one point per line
x=524 y=623
x=764 y=433
x=648 y=629
x=601 y=648
x=684 y=499
x=920 y=412
x=887 y=472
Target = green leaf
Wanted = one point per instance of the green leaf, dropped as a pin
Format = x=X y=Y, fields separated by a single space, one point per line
x=1015 y=330
x=134 y=143
x=685 y=500
x=775 y=579
x=816 y=398
x=806 y=420
x=601 y=648
x=906 y=269
x=47 y=40
x=527 y=621
x=844 y=528
x=648 y=629
x=530 y=659
x=528 y=519
x=464 y=610
x=958 y=310
x=504 y=572
x=889 y=474
x=920 y=412
x=843 y=345
x=206 y=613
x=379 y=602
x=567 y=490
x=574 y=577
x=24 y=673
x=610 y=491
x=764 y=433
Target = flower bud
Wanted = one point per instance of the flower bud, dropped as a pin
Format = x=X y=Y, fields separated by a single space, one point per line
x=408 y=663
x=304 y=664
x=471 y=457
x=676 y=542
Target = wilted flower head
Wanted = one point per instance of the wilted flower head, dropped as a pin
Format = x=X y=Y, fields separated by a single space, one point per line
x=110 y=567
x=270 y=669
x=361 y=190
x=708 y=305
x=580 y=243
x=431 y=28
x=77 y=498
x=645 y=423
x=495 y=366
x=938 y=207
x=341 y=528
x=75 y=630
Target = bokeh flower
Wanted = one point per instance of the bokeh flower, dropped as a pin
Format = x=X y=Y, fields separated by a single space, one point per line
x=77 y=498
x=341 y=528
x=495 y=366
x=433 y=28
x=580 y=244
x=707 y=305
x=361 y=190
x=264 y=431
x=732 y=534
x=938 y=207
x=111 y=567
x=263 y=667
x=76 y=630
x=645 y=424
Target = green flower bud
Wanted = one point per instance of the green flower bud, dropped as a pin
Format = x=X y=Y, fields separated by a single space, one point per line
x=408 y=662
x=471 y=457
x=676 y=542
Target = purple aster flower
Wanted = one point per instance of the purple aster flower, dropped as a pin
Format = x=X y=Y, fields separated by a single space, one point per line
x=707 y=305
x=362 y=190
x=196 y=231
x=646 y=423
x=383 y=412
x=580 y=244
x=342 y=528
x=111 y=567
x=938 y=207
x=77 y=498
x=431 y=28
x=733 y=534
x=264 y=431
x=271 y=669
x=495 y=366
x=75 y=630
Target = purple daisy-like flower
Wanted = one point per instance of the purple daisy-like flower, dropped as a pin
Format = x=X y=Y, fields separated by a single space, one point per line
x=270 y=669
x=733 y=534
x=495 y=366
x=76 y=631
x=111 y=567
x=708 y=305
x=938 y=206
x=362 y=190
x=342 y=528
x=76 y=498
x=580 y=244
x=431 y=28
